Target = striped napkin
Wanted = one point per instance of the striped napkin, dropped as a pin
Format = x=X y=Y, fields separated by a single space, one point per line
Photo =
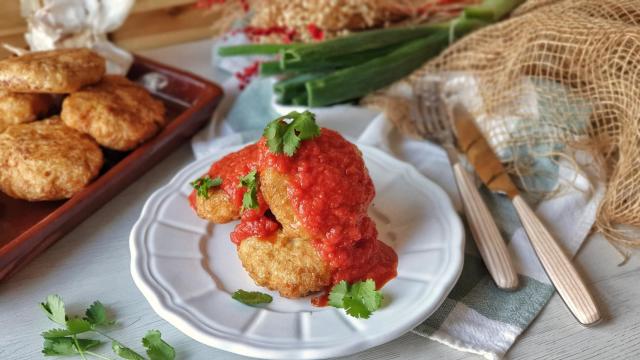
x=476 y=317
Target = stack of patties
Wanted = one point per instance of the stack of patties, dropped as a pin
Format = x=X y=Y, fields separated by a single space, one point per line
x=54 y=158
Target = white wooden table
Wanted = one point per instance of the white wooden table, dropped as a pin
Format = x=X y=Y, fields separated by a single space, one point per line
x=92 y=263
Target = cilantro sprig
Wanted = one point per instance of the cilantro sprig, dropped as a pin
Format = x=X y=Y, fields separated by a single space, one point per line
x=251 y=297
x=65 y=341
x=203 y=184
x=283 y=137
x=250 y=197
x=358 y=300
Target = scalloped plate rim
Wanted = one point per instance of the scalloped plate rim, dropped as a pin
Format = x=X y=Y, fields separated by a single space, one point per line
x=158 y=297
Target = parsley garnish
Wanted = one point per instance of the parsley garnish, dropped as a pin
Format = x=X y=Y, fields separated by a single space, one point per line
x=251 y=297
x=250 y=197
x=203 y=184
x=358 y=300
x=286 y=137
x=61 y=342
x=156 y=347
x=53 y=307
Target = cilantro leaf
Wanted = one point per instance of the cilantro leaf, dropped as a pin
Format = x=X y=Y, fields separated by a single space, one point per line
x=337 y=294
x=125 y=352
x=359 y=300
x=96 y=314
x=55 y=333
x=274 y=132
x=250 y=197
x=283 y=137
x=58 y=346
x=157 y=349
x=355 y=308
x=78 y=326
x=66 y=346
x=366 y=292
x=249 y=179
x=64 y=342
x=303 y=127
x=203 y=184
x=251 y=297
x=53 y=307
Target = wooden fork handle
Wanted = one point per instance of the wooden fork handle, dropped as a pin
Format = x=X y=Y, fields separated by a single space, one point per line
x=492 y=247
x=558 y=266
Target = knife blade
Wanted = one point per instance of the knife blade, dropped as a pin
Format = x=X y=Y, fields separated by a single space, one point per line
x=563 y=275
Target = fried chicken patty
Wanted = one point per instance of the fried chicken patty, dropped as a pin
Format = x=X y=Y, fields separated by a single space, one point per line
x=57 y=71
x=17 y=108
x=46 y=160
x=273 y=186
x=116 y=112
x=289 y=265
x=216 y=208
x=305 y=226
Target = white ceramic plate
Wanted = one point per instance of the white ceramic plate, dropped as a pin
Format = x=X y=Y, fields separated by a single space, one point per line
x=187 y=269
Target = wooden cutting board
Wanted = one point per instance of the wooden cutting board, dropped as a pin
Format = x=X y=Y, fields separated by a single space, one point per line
x=151 y=23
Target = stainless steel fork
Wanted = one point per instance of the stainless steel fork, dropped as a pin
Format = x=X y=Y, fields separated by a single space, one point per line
x=432 y=123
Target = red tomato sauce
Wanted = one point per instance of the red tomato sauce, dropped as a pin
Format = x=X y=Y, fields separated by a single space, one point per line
x=230 y=169
x=330 y=190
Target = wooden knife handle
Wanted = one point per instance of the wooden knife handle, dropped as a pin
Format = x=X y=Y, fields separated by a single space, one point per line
x=558 y=266
x=492 y=247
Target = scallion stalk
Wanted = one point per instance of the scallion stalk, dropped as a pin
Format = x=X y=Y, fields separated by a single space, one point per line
x=357 y=42
x=254 y=49
x=362 y=62
x=269 y=68
x=287 y=89
x=300 y=100
x=332 y=61
x=356 y=81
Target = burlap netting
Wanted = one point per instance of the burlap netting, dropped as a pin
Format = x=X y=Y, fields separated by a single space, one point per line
x=590 y=50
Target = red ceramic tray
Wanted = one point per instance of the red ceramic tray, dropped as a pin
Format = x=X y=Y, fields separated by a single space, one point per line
x=28 y=228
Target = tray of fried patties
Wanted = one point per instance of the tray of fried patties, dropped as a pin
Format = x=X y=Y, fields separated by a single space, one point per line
x=72 y=137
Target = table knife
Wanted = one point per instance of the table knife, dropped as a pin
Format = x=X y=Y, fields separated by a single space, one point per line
x=554 y=260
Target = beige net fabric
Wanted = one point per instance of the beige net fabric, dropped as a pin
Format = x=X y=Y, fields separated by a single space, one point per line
x=581 y=61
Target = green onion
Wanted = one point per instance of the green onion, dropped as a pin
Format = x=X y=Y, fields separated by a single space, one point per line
x=269 y=68
x=349 y=67
x=254 y=49
x=301 y=100
x=335 y=62
x=357 y=42
x=356 y=81
x=288 y=89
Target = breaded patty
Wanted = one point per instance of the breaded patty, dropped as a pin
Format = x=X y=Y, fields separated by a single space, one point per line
x=273 y=186
x=116 y=112
x=217 y=208
x=220 y=207
x=56 y=71
x=46 y=160
x=289 y=265
x=17 y=108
